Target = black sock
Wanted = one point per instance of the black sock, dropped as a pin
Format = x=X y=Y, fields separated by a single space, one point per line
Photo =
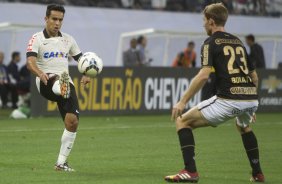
x=187 y=144
x=251 y=147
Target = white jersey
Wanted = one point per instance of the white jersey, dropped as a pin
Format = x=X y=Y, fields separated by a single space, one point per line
x=52 y=52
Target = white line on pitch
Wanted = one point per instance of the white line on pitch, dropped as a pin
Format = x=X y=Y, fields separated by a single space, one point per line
x=124 y=127
x=81 y=129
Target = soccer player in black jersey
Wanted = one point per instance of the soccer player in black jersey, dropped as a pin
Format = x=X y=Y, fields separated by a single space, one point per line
x=236 y=95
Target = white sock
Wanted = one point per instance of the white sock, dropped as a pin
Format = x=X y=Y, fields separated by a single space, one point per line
x=56 y=87
x=66 y=146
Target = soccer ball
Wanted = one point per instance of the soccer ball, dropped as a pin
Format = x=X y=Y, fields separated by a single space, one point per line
x=90 y=64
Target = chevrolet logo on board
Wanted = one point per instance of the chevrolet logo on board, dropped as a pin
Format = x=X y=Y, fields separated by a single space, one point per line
x=272 y=84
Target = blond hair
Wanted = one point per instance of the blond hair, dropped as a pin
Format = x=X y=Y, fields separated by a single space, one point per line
x=217 y=12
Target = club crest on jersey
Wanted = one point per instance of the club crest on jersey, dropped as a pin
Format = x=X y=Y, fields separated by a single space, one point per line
x=47 y=55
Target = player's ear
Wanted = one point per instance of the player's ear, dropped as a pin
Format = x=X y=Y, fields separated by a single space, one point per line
x=46 y=18
x=211 y=21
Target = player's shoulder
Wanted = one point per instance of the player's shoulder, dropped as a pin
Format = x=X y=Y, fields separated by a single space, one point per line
x=208 y=40
x=38 y=35
x=67 y=36
x=226 y=38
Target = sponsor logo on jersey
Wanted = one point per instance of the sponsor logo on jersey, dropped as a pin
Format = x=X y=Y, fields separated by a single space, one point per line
x=47 y=55
x=219 y=41
x=243 y=90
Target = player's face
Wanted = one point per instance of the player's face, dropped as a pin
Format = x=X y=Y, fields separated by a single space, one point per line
x=191 y=47
x=1 y=57
x=133 y=43
x=54 y=22
x=207 y=26
x=248 y=42
x=144 y=42
x=18 y=59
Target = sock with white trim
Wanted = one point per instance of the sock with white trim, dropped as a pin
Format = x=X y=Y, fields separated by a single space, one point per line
x=187 y=144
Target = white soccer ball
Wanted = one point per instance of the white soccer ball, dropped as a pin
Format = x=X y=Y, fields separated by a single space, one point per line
x=90 y=64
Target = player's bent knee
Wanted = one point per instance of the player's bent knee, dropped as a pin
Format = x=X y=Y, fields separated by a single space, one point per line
x=243 y=130
x=71 y=122
x=181 y=123
x=71 y=126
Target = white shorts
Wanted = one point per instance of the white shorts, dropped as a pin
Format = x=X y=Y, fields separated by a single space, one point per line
x=217 y=110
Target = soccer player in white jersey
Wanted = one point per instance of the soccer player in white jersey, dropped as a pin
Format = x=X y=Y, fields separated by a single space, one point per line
x=236 y=95
x=47 y=58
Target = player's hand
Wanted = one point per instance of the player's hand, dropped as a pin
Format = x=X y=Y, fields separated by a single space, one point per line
x=85 y=80
x=177 y=110
x=44 y=78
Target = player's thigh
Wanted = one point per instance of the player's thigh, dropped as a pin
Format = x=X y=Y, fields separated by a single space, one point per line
x=69 y=106
x=191 y=119
x=217 y=111
x=46 y=90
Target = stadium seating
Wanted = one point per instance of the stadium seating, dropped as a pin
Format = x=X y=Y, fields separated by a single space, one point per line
x=238 y=7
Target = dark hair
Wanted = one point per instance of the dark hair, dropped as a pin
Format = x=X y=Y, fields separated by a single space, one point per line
x=191 y=43
x=217 y=12
x=250 y=37
x=140 y=39
x=133 y=40
x=15 y=54
x=54 y=7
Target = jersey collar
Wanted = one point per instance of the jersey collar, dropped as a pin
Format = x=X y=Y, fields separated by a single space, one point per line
x=47 y=36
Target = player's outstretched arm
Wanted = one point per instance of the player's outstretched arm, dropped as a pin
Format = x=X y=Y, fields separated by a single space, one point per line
x=196 y=84
x=32 y=67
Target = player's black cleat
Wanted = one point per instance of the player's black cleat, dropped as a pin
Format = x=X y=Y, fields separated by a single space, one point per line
x=257 y=178
x=183 y=176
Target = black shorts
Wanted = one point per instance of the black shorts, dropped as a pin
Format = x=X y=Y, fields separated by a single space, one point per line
x=69 y=105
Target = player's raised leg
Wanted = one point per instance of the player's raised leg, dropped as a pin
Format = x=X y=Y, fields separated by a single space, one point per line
x=251 y=146
x=184 y=126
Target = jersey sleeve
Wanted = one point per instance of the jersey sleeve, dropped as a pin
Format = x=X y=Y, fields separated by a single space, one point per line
x=206 y=55
x=74 y=50
x=33 y=46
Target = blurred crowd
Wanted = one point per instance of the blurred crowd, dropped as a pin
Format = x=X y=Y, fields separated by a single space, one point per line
x=136 y=54
x=14 y=82
x=240 y=7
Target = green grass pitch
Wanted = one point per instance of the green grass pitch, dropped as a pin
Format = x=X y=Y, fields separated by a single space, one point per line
x=132 y=150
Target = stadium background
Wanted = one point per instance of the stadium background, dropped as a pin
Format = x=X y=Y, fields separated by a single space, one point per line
x=99 y=30
x=136 y=148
